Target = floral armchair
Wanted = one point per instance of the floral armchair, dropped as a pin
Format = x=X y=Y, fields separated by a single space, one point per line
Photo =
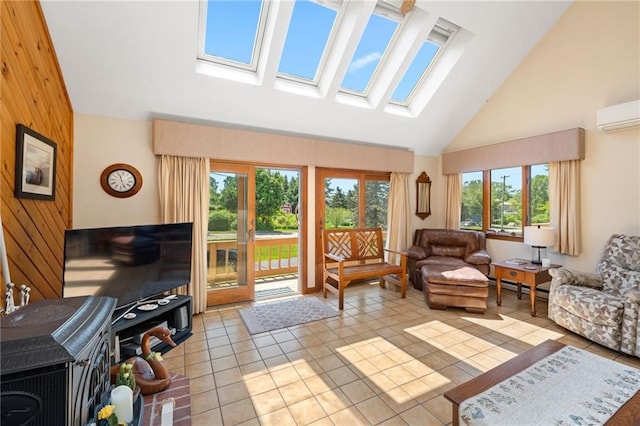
x=603 y=307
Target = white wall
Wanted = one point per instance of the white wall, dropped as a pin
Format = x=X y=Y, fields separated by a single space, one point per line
x=98 y=143
x=589 y=60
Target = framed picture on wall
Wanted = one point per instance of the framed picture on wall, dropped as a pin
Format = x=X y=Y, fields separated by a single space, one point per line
x=35 y=165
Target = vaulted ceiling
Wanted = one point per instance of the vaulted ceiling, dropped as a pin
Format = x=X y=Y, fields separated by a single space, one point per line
x=139 y=60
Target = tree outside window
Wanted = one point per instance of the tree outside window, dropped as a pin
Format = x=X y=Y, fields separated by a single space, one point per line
x=472 y=201
x=506 y=201
x=376 y=200
x=514 y=197
x=346 y=208
x=539 y=198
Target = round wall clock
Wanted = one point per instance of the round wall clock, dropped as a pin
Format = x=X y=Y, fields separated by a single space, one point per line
x=121 y=180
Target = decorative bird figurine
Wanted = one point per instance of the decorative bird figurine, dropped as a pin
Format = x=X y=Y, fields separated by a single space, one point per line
x=151 y=375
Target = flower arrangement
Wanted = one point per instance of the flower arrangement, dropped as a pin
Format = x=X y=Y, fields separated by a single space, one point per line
x=108 y=413
x=125 y=376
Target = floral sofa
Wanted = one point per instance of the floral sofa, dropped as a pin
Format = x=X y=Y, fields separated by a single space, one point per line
x=603 y=306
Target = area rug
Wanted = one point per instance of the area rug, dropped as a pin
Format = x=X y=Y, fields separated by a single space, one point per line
x=271 y=292
x=568 y=387
x=276 y=315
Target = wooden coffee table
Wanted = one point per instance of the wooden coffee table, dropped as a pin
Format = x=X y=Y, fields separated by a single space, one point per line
x=628 y=414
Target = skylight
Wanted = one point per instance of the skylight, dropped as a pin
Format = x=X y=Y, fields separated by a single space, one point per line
x=347 y=51
x=233 y=31
x=372 y=47
x=412 y=79
x=414 y=73
x=308 y=36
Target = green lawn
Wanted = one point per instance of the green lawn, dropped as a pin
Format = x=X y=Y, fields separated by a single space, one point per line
x=277 y=252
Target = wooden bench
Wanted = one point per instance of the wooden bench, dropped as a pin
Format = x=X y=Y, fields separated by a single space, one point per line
x=355 y=254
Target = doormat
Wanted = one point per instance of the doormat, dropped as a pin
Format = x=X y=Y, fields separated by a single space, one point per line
x=271 y=292
x=272 y=316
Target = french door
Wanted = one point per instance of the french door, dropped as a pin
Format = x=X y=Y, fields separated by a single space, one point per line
x=231 y=237
x=349 y=199
x=254 y=235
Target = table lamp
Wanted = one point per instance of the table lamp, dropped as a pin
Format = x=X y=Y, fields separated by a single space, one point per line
x=539 y=239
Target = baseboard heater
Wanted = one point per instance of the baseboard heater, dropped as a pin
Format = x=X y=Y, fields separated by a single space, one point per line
x=541 y=292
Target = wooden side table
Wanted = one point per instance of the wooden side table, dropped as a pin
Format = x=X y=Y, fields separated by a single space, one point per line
x=521 y=272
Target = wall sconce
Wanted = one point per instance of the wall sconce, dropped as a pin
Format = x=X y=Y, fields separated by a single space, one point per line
x=539 y=239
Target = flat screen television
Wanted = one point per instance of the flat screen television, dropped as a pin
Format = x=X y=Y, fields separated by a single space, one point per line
x=129 y=263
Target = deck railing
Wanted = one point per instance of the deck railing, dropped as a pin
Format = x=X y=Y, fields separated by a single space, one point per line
x=281 y=256
x=273 y=256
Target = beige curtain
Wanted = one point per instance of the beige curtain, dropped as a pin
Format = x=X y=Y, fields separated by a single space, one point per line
x=184 y=197
x=564 y=206
x=398 y=215
x=453 y=205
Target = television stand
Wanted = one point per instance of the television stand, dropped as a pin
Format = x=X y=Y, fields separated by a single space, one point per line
x=176 y=315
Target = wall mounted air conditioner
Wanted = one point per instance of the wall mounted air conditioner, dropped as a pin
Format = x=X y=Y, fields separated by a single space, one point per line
x=619 y=117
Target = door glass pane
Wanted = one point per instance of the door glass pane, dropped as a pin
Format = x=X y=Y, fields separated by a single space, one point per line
x=506 y=201
x=472 y=201
x=227 y=230
x=276 y=245
x=341 y=203
x=376 y=200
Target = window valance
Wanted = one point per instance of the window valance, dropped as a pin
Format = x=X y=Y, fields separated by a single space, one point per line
x=222 y=143
x=551 y=147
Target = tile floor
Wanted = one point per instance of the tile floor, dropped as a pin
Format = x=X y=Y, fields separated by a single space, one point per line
x=384 y=360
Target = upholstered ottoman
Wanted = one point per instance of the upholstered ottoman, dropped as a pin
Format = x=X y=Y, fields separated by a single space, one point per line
x=463 y=287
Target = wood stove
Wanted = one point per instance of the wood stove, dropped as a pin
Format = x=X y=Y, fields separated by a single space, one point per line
x=54 y=361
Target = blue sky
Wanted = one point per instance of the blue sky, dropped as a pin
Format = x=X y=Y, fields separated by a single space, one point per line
x=308 y=33
x=231 y=31
x=372 y=46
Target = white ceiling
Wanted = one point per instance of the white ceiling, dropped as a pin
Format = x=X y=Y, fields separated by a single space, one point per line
x=137 y=60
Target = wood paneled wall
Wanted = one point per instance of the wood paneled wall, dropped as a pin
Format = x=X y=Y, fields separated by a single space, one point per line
x=33 y=93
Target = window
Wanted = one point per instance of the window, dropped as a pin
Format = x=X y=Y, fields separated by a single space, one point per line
x=311 y=28
x=372 y=47
x=319 y=56
x=234 y=31
x=376 y=200
x=539 y=194
x=354 y=199
x=418 y=70
x=501 y=202
x=506 y=201
x=472 y=201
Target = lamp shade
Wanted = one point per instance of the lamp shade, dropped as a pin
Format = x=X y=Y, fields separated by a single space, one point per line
x=538 y=236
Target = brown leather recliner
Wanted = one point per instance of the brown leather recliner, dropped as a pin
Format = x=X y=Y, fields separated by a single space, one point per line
x=446 y=247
